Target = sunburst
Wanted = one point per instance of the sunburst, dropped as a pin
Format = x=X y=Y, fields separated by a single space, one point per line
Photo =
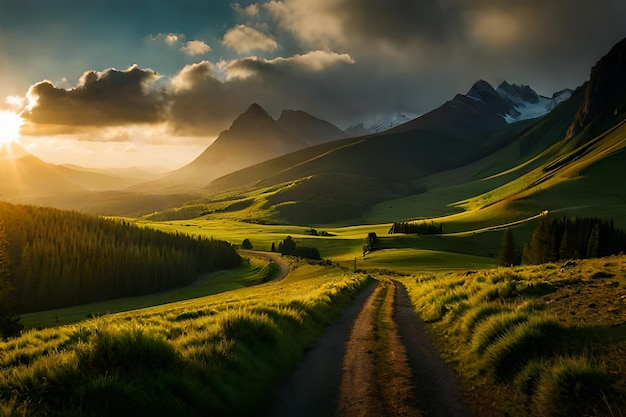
x=10 y=124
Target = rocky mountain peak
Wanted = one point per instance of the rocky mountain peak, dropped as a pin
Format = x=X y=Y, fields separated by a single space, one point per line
x=518 y=92
x=605 y=92
x=482 y=90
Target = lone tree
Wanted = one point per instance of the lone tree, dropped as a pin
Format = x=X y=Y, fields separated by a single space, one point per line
x=273 y=247
x=370 y=243
x=246 y=244
x=509 y=253
x=288 y=246
x=9 y=320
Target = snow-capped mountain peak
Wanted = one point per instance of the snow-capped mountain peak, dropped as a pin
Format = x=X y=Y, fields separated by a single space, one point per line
x=516 y=102
x=379 y=123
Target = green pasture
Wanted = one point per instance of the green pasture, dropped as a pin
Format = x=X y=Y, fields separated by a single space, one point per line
x=253 y=271
x=409 y=261
x=216 y=355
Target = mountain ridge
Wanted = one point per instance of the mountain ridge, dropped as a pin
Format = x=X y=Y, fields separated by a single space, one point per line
x=253 y=137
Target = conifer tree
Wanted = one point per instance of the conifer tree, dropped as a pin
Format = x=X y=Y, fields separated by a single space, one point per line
x=593 y=244
x=289 y=246
x=508 y=254
x=9 y=321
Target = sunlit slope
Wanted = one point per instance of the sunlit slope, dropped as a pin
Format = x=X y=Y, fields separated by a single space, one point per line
x=342 y=181
x=529 y=144
x=216 y=355
x=444 y=153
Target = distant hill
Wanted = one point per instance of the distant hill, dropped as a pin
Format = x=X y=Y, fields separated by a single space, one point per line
x=26 y=178
x=27 y=175
x=253 y=137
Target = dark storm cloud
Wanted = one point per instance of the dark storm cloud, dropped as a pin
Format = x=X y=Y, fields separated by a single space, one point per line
x=549 y=44
x=107 y=98
x=202 y=104
x=397 y=21
x=350 y=60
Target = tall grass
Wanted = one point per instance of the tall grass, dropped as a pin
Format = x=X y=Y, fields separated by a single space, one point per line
x=218 y=355
x=529 y=340
x=573 y=386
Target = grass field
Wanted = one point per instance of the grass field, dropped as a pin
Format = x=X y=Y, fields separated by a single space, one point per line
x=540 y=340
x=254 y=271
x=216 y=355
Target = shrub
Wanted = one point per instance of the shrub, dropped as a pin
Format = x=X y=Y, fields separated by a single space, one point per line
x=572 y=387
x=125 y=350
x=536 y=338
x=251 y=329
x=478 y=314
x=308 y=252
x=494 y=327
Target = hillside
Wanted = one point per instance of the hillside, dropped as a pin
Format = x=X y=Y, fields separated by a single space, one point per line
x=432 y=166
x=341 y=180
x=28 y=177
x=307 y=128
x=254 y=137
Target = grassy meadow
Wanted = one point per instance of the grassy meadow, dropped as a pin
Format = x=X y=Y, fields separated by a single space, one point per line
x=254 y=270
x=545 y=340
x=214 y=355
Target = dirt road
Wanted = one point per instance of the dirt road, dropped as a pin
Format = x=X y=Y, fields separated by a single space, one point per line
x=376 y=361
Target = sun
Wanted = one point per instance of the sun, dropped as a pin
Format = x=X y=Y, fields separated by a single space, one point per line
x=10 y=124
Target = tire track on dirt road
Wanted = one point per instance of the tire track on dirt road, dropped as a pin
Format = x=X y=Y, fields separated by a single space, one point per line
x=437 y=388
x=312 y=389
x=377 y=360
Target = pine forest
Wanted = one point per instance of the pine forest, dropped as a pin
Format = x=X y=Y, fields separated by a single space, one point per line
x=60 y=258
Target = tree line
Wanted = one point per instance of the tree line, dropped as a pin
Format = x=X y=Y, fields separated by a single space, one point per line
x=61 y=258
x=421 y=227
x=289 y=247
x=559 y=238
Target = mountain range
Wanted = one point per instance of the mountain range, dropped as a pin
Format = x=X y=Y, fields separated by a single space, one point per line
x=506 y=146
x=254 y=137
x=481 y=143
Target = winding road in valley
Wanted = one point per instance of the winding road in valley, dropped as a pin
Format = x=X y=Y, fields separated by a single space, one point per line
x=376 y=360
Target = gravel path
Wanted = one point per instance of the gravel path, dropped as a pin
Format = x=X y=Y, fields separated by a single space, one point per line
x=346 y=375
x=437 y=385
x=313 y=389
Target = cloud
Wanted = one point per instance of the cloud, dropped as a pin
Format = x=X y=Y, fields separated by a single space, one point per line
x=346 y=60
x=207 y=97
x=251 y=10
x=550 y=45
x=310 y=62
x=167 y=38
x=193 y=48
x=17 y=103
x=245 y=39
x=312 y=22
x=107 y=98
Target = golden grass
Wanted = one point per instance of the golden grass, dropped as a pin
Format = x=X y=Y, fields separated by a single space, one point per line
x=526 y=339
x=217 y=354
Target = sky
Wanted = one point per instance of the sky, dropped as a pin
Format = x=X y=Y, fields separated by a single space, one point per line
x=152 y=83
